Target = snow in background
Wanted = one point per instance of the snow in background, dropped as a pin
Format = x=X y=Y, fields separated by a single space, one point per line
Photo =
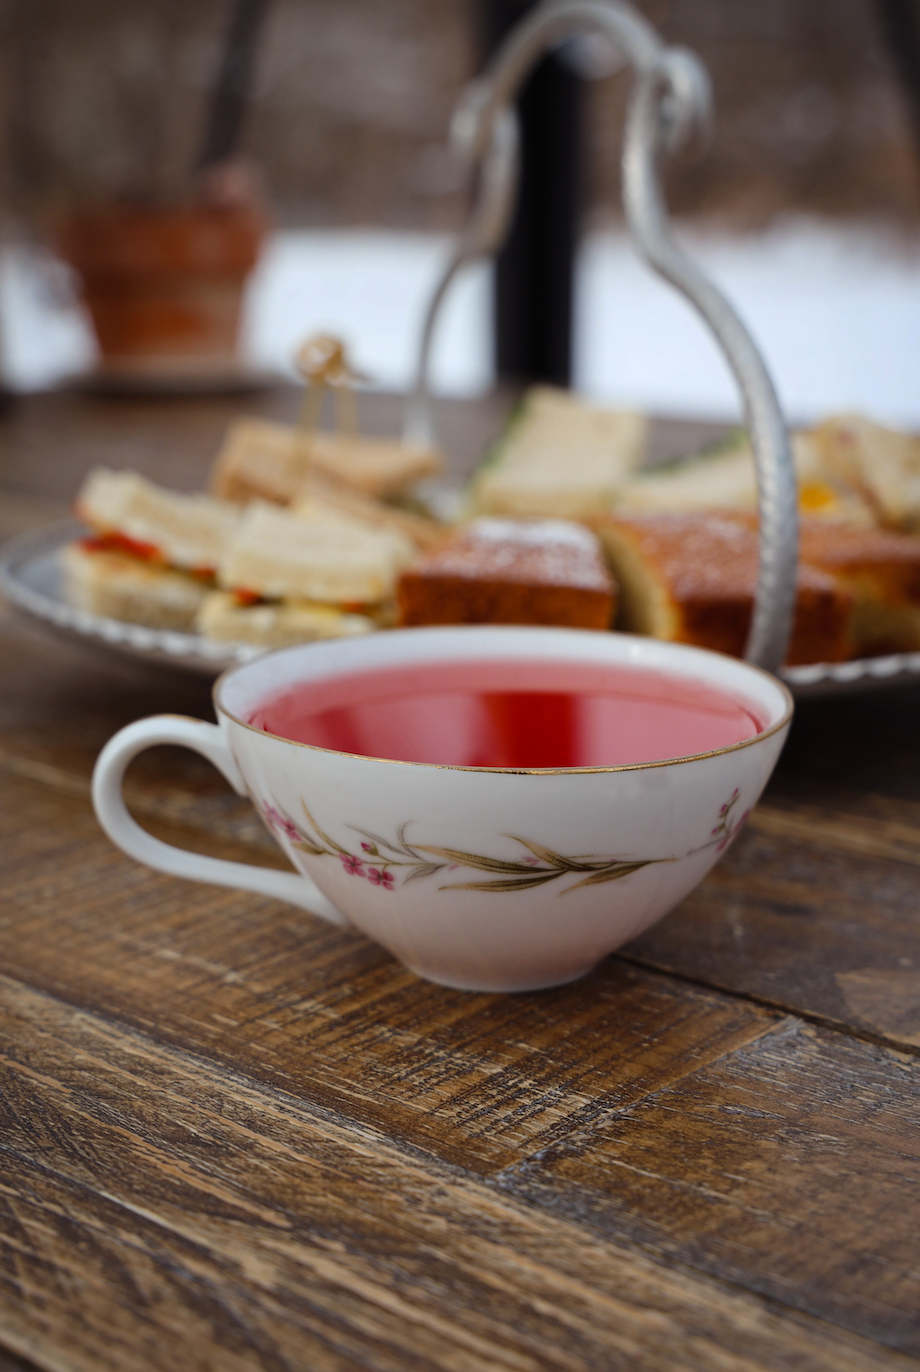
x=43 y=335
x=370 y=289
x=834 y=307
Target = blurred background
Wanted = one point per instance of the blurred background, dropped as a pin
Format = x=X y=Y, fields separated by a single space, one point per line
x=806 y=206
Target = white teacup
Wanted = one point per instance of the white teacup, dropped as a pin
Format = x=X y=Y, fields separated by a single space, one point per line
x=486 y=879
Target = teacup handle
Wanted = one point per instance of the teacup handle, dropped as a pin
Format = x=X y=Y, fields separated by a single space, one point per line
x=127 y=834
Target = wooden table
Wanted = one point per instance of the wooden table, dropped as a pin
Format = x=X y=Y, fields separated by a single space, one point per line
x=234 y=1137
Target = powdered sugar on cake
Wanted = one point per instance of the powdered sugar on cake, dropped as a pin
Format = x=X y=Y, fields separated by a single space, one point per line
x=536 y=533
x=548 y=552
x=507 y=571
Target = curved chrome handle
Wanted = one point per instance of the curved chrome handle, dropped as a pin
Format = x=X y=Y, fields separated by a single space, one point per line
x=670 y=104
x=483 y=234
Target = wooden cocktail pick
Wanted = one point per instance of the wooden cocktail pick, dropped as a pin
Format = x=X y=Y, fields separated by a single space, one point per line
x=262 y=459
x=323 y=363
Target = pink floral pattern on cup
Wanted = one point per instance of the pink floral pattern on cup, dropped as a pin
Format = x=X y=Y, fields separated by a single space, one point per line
x=280 y=824
x=352 y=865
x=727 y=827
x=539 y=866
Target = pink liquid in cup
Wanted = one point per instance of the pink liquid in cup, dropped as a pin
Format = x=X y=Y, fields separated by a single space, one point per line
x=494 y=713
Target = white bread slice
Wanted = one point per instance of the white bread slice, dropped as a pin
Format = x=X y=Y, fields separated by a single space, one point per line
x=263 y=459
x=124 y=588
x=259 y=460
x=823 y=492
x=720 y=479
x=559 y=457
x=378 y=466
x=276 y=625
x=187 y=531
x=725 y=479
x=316 y=554
x=317 y=488
x=881 y=463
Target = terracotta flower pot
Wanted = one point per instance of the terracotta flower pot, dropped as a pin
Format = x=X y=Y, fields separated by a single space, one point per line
x=163 y=283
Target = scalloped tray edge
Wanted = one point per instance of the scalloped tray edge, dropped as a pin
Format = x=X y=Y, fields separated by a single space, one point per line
x=193 y=653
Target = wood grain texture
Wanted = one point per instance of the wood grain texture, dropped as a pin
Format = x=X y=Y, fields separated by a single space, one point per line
x=848 y=746
x=156 y=1210
x=44 y=680
x=233 y=1137
x=790 y=1166
x=811 y=907
x=803 y=927
x=12 y=1362
x=860 y=823
x=473 y=1079
x=48 y=442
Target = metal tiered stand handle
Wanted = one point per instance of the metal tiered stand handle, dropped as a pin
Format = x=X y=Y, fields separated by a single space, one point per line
x=670 y=105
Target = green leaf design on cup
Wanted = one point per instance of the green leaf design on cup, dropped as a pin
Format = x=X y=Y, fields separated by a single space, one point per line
x=381 y=860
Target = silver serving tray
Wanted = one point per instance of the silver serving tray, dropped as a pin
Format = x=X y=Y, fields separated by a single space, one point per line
x=30 y=580
x=849 y=678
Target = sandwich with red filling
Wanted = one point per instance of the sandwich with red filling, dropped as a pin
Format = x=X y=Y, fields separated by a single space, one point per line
x=291 y=576
x=151 y=555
